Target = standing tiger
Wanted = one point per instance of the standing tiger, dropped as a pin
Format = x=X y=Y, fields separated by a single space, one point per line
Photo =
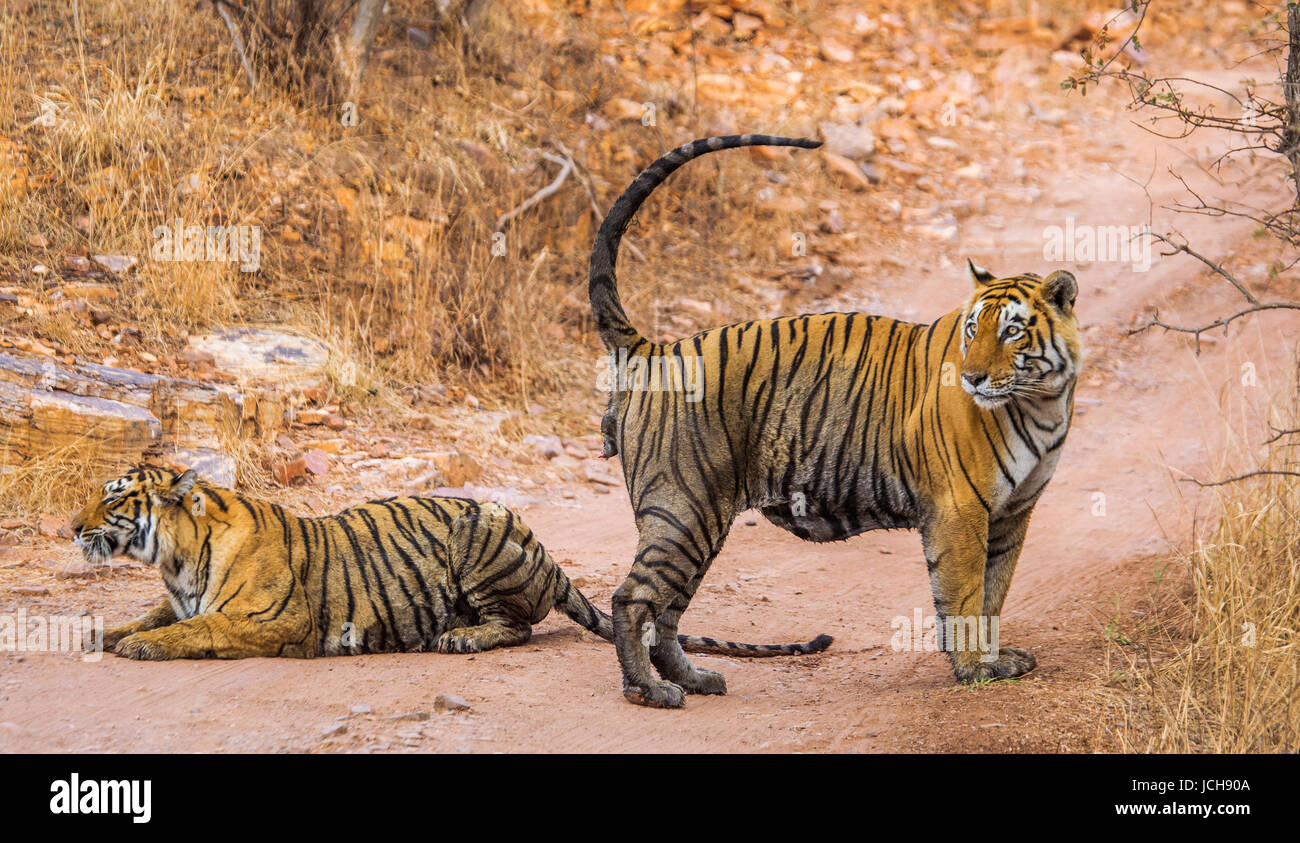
x=833 y=424
x=246 y=578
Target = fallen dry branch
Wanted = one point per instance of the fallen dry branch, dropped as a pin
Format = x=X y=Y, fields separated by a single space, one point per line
x=584 y=179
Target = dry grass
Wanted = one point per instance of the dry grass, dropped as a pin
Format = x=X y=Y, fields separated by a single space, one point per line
x=383 y=231
x=1217 y=669
x=58 y=483
x=377 y=238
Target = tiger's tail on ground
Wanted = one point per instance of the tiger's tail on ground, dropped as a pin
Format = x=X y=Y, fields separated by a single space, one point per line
x=575 y=604
x=698 y=644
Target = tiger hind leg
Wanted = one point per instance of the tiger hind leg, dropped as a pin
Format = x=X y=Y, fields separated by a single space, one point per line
x=648 y=605
x=666 y=653
x=501 y=572
x=484 y=636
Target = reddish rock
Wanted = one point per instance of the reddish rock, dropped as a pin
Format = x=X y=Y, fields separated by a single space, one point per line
x=311 y=416
x=597 y=472
x=75 y=571
x=450 y=702
x=52 y=525
x=286 y=473
x=316 y=462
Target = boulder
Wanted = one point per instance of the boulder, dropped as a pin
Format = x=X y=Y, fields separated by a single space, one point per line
x=266 y=357
x=119 y=417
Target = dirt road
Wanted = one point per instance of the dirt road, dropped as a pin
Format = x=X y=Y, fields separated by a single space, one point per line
x=1149 y=411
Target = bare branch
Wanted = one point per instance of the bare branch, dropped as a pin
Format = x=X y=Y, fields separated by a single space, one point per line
x=1278 y=434
x=1182 y=247
x=1249 y=474
x=1223 y=321
x=566 y=167
x=224 y=11
x=589 y=188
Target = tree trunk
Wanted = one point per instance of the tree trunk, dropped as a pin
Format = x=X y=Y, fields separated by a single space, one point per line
x=1291 y=92
x=353 y=54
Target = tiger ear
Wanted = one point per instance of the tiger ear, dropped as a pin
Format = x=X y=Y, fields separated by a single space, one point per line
x=180 y=487
x=979 y=276
x=1060 y=289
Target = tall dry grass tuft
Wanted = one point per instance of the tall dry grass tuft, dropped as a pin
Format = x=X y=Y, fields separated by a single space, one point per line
x=1219 y=669
x=59 y=482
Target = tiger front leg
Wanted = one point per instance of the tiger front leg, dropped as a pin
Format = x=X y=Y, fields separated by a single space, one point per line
x=219 y=636
x=1006 y=538
x=956 y=554
x=161 y=615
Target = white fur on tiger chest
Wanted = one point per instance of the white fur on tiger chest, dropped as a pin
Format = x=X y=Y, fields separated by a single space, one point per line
x=1029 y=467
x=1030 y=472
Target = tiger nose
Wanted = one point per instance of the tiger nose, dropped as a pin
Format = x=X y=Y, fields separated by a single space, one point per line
x=974 y=380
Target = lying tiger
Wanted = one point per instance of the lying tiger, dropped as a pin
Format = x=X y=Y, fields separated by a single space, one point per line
x=246 y=578
x=834 y=424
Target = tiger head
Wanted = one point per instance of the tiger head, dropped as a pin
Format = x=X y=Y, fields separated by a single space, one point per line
x=1020 y=337
x=124 y=520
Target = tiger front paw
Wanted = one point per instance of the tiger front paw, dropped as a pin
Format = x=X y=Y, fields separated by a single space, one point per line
x=92 y=642
x=143 y=647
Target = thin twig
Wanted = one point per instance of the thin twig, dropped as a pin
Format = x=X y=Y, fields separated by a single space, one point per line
x=1278 y=434
x=1127 y=41
x=238 y=39
x=1182 y=247
x=585 y=181
x=566 y=167
x=1249 y=474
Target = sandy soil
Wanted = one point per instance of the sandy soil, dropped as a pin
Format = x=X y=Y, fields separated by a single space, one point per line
x=1149 y=411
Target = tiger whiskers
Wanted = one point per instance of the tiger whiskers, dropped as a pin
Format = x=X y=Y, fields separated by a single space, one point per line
x=94 y=547
x=1035 y=390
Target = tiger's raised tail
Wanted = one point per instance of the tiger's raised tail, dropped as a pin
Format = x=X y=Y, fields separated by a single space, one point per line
x=576 y=605
x=612 y=322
